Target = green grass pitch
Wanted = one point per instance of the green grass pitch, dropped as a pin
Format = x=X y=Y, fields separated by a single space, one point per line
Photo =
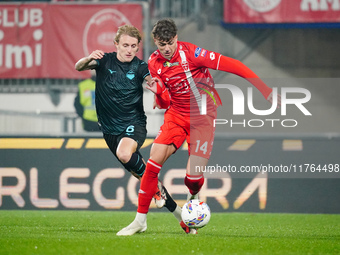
x=89 y=232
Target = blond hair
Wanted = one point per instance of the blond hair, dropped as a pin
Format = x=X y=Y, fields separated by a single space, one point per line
x=128 y=30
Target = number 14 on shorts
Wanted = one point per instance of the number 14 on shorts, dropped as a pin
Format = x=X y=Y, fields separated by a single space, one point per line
x=201 y=148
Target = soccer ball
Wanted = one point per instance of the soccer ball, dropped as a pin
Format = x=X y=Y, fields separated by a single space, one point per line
x=195 y=214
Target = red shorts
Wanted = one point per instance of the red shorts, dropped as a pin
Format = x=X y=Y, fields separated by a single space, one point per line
x=199 y=131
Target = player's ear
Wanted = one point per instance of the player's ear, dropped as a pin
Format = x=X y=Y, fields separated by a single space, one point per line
x=137 y=49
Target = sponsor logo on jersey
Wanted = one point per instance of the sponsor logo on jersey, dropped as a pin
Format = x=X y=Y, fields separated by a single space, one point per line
x=204 y=53
x=168 y=64
x=212 y=55
x=198 y=51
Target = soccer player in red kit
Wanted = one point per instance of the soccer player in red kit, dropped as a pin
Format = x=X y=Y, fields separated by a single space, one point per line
x=183 y=85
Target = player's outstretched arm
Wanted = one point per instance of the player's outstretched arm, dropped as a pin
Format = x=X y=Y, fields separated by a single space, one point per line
x=89 y=62
x=235 y=66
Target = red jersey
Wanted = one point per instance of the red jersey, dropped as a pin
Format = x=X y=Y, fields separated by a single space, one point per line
x=184 y=74
x=187 y=78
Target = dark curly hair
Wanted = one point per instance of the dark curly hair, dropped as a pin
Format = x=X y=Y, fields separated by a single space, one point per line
x=164 y=30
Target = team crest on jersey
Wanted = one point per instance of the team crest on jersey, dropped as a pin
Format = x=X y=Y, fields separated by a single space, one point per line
x=168 y=64
x=130 y=74
x=185 y=66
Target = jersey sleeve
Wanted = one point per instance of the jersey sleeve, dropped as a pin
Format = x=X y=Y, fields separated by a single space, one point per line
x=101 y=62
x=162 y=99
x=151 y=66
x=213 y=60
x=234 y=66
x=202 y=57
x=143 y=70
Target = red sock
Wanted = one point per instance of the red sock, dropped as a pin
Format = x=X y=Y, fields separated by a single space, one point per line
x=194 y=183
x=148 y=186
